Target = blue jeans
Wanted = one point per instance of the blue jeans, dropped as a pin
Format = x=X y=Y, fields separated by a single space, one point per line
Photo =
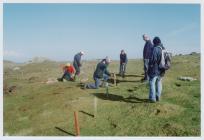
x=97 y=82
x=146 y=65
x=77 y=69
x=66 y=76
x=155 y=84
x=122 y=68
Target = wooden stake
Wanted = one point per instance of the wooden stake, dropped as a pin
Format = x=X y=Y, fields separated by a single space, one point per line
x=95 y=107
x=114 y=76
x=76 y=122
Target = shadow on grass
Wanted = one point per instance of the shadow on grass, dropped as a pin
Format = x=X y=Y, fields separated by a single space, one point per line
x=131 y=75
x=64 y=131
x=86 y=113
x=119 y=98
x=111 y=80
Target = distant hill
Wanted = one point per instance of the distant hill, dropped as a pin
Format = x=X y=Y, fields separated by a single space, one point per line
x=9 y=64
x=38 y=60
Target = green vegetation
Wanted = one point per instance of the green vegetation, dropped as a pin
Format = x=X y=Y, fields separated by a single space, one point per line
x=35 y=108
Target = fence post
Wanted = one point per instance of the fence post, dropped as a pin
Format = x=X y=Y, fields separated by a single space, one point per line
x=114 y=76
x=76 y=123
x=95 y=107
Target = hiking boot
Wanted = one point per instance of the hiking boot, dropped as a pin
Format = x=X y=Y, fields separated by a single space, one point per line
x=60 y=79
x=84 y=86
x=152 y=101
x=157 y=98
x=72 y=79
x=144 y=80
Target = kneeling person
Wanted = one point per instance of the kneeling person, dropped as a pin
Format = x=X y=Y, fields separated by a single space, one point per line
x=69 y=72
x=101 y=73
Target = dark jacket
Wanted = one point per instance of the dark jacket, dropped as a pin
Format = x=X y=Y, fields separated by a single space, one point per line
x=100 y=70
x=147 y=50
x=123 y=58
x=77 y=60
x=154 y=62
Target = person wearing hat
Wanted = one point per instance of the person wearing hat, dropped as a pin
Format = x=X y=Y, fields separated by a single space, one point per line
x=146 y=55
x=154 y=72
x=101 y=73
x=123 y=62
x=69 y=72
x=77 y=63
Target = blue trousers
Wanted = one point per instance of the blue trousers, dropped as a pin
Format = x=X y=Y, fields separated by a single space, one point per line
x=122 y=68
x=66 y=76
x=155 y=84
x=77 y=69
x=146 y=66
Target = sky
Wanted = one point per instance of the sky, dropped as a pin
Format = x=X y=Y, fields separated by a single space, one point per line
x=59 y=31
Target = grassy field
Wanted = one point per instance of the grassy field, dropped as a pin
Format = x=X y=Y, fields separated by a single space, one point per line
x=33 y=107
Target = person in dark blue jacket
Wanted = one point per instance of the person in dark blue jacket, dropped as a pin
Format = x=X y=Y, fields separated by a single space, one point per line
x=154 y=72
x=123 y=62
x=146 y=55
x=101 y=72
x=77 y=63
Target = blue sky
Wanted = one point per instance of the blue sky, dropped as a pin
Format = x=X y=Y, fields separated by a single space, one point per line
x=58 y=31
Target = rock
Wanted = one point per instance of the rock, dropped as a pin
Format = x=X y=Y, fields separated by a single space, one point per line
x=186 y=78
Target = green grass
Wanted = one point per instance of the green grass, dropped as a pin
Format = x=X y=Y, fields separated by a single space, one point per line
x=39 y=109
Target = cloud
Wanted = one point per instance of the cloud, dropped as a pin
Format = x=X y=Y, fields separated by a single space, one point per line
x=10 y=53
x=182 y=30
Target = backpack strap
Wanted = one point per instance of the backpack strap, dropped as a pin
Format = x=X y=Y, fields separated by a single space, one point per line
x=159 y=47
x=161 y=54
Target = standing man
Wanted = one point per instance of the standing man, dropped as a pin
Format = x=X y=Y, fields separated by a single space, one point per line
x=77 y=63
x=155 y=79
x=146 y=55
x=101 y=72
x=123 y=62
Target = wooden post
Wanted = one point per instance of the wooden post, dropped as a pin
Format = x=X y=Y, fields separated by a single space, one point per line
x=95 y=107
x=114 y=76
x=76 y=123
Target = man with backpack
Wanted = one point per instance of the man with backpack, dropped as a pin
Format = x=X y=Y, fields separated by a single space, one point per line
x=158 y=64
x=146 y=55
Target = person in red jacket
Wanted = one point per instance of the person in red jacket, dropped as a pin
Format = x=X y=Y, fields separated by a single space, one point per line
x=69 y=72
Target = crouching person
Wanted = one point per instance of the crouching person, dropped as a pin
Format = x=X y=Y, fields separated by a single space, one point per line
x=69 y=72
x=101 y=73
